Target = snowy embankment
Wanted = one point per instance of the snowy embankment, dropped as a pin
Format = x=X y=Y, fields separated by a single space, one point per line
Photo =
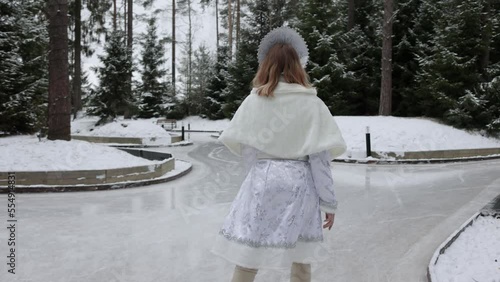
x=142 y=128
x=399 y=135
x=388 y=134
x=474 y=255
x=27 y=153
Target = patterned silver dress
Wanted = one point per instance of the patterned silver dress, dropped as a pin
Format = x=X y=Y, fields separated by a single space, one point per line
x=275 y=218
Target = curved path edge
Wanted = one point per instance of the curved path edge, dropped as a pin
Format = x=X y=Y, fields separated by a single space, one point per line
x=417 y=161
x=96 y=187
x=490 y=209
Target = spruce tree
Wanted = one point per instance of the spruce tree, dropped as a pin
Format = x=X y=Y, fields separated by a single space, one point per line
x=448 y=64
x=202 y=73
x=112 y=96
x=343 y=65
x=242 y=70
x=23 y=53
x=213 y=101
x=153 y=91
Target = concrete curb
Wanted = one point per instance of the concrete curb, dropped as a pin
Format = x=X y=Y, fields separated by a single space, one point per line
x=150 y=146
x=417 y=161
x=98 y=178
x=490 y=209
x=193 y=130
x=128 y=140
x=438 y=154
x=110 y=186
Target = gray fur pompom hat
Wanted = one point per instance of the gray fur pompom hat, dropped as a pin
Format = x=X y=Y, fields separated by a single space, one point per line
x=284 y=35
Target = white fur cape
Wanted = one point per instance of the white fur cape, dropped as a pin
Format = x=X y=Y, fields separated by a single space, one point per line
x=292 y=124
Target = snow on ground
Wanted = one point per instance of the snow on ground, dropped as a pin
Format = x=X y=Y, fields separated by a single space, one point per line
x=393 y=134
x=119 y=128
x=387 y=134
x=198 y=123
x=474 y=256
x=27 y=153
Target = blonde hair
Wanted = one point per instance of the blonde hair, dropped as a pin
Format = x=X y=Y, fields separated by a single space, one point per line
x=281 y=59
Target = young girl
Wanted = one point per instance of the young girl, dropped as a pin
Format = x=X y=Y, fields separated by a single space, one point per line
x=287 y=138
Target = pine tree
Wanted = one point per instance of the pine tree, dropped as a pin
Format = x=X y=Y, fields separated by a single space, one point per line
x=154 y=92
x=242 y=70
x=10 y=69
x=186 y=9
x=449 y=59
x=203 y=71
x=23 y=53
x=213 y=101
x=407 y=31
x=344 y=66
x=112 y=96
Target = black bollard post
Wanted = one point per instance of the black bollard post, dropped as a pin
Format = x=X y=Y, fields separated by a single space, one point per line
x=368 y=143
x=183 y=133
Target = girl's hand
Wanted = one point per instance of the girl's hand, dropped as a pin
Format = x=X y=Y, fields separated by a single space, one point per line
x=330 y=217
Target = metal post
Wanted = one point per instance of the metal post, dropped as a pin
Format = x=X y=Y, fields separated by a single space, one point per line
x=368 y=143
x=189 y=131
x=183 y=133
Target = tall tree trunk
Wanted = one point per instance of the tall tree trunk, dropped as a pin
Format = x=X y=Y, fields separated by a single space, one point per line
x=484 y=60
x=217 y=24
x=59 y=109
x=385 y=106
x=77 y=75
x=238 y=16
x=173 y=47
x=230 y=28
x=351 y=14
x=124 y=3
x=190 y=59
x=114 y=15
x=130 y=22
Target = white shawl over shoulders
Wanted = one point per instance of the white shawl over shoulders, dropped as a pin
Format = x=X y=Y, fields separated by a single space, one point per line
x=292 y=124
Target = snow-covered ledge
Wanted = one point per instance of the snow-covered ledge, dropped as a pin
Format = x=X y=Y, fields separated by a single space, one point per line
x=471 y=253
x=431 y=269
x=146 y=141
x=100 y=176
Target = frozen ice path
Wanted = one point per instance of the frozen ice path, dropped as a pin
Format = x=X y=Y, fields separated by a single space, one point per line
x=390 y=221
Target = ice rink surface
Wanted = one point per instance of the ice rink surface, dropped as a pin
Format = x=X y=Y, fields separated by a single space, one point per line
x=391 y=218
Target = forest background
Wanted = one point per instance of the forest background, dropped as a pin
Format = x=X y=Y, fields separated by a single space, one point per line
x=411 y=58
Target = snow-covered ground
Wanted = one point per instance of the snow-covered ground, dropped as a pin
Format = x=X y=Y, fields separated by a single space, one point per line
x=393 y=134
x=396 y=134
x=198 y=123
x=475 y=254
x=390 y=221
x=388 y=134
x=27 y=153
x=119 y=128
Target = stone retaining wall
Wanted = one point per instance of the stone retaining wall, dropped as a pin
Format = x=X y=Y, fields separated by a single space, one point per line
x=439 y=154
x=77 y=177
x=102 y=139
x=129 y=140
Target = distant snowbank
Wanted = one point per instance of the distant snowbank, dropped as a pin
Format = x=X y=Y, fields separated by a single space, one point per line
x=475 y=254
x=119 y=128
x=198 y=123
x=393 y=134
x=26 y=153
